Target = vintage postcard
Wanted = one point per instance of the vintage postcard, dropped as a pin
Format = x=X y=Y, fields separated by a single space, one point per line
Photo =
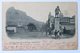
x=39 y=26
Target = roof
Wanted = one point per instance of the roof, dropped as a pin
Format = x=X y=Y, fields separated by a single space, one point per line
x=66 y=23
x=66 y=17
x=11 y=25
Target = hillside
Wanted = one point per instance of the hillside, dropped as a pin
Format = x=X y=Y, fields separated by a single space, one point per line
x=13 y=17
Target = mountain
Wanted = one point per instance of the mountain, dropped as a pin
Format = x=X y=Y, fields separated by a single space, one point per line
x=15 y=17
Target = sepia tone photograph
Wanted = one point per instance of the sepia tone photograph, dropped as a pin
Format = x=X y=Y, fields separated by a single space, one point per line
x=40 y=20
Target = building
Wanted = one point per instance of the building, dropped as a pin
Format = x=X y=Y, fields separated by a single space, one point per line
x=60 y=23
x=65 y=19
x=61 y=15
x=11 y=28
x=72 y=20
x=66 y=23
x=50 y=20
x=68 y=26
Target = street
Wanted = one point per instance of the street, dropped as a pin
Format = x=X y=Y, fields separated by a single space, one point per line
x=22 y=34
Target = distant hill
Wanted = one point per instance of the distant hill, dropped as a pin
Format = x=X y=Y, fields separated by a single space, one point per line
x=13 y=17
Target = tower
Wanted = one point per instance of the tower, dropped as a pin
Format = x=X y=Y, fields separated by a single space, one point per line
x=49 y=15
x=50 y=19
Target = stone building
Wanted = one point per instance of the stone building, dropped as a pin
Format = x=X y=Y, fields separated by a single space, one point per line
x=50 y=19
x=72 y=20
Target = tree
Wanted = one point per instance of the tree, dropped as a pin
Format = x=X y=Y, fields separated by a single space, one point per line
x=31 y=27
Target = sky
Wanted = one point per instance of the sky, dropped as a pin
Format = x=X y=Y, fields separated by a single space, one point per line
x=40 y=10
